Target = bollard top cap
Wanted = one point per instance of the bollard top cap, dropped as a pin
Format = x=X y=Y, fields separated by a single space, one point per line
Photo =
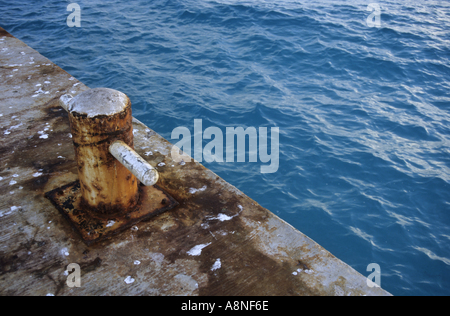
x=98 y=101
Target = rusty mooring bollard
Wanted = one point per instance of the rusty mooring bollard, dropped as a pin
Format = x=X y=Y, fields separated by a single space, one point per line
x=102 y=133
x=107 y=197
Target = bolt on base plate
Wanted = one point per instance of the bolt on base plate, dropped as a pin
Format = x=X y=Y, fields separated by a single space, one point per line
x=95 y=227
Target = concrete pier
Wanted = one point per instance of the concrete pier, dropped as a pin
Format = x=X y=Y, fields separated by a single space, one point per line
x=217 y=241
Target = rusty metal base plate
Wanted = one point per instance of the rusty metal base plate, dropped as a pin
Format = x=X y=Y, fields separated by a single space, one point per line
x=94 y=227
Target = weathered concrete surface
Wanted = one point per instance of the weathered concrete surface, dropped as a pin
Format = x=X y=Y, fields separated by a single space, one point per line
x=216 y=242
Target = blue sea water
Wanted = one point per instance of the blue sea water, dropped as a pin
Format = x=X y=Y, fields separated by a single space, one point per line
x=363 y=112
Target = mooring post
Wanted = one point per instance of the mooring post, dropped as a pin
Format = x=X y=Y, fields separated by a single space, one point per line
x=107 y=198
x=108 y=167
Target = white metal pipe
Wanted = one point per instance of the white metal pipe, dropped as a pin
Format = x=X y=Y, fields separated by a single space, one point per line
x=133 y=162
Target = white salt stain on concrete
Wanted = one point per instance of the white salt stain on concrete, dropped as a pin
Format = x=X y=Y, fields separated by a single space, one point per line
x=129 y=280
x=13 y=209
x=64 y=252
x=221 y=217
x=8 y=130
x=43 y=135
x=197 y=250
x=216 y=265
x=307 y=271
x=193 y=190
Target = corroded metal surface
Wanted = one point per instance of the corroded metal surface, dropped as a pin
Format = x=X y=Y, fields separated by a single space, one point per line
x=93 y=226
x=107 y=198
x=217 y=241
x=106 y=186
